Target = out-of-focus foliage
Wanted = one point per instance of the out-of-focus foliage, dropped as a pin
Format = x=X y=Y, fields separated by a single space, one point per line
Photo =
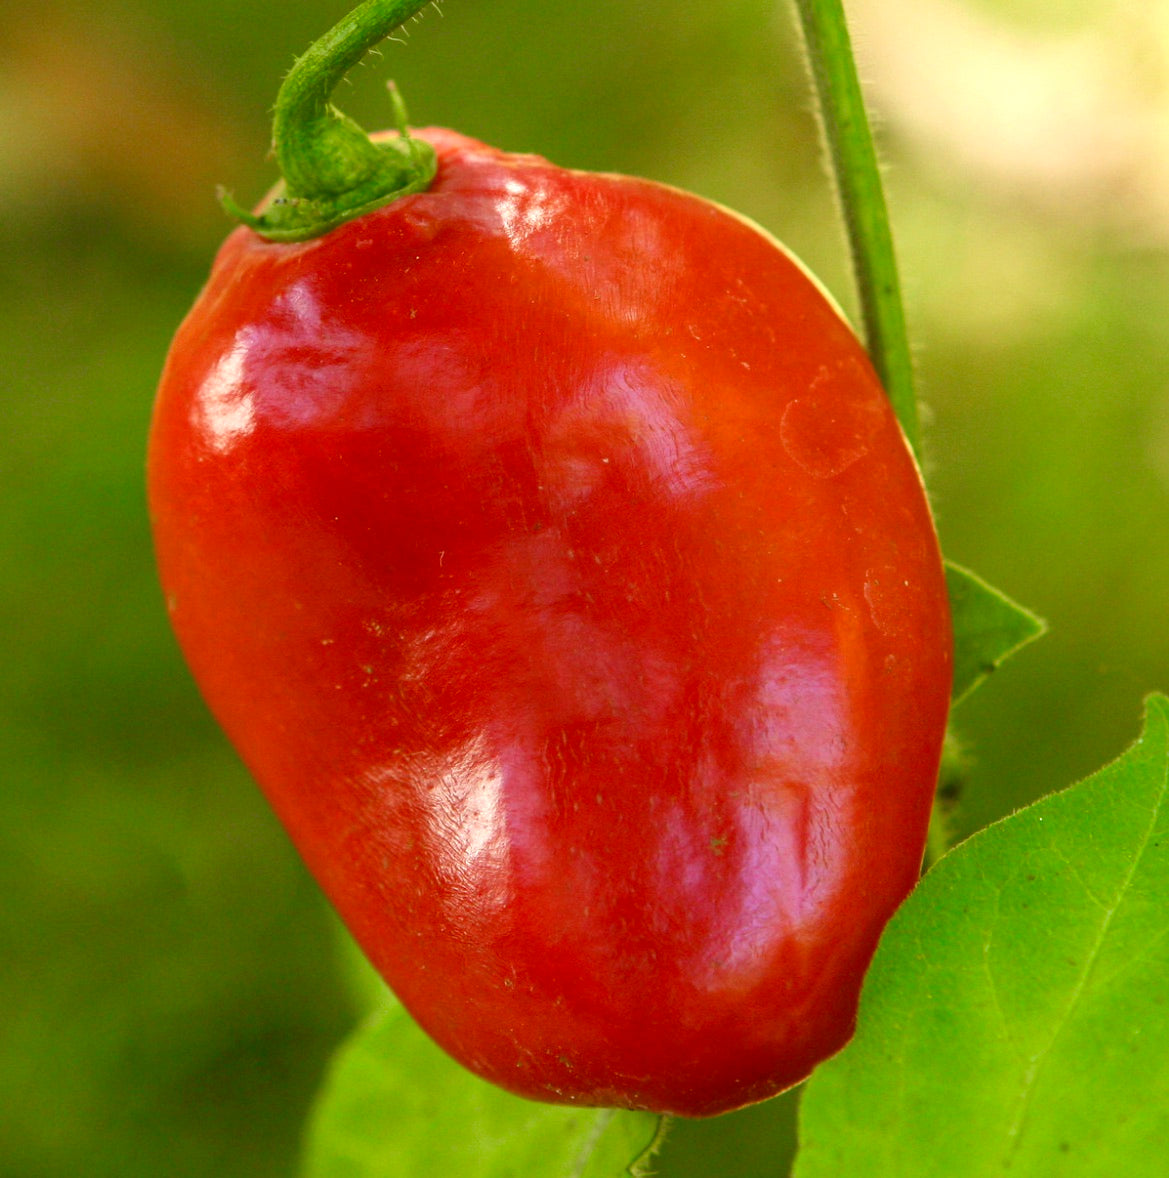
x=168 y=995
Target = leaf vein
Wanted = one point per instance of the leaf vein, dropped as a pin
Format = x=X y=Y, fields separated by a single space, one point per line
x=1032 y=1074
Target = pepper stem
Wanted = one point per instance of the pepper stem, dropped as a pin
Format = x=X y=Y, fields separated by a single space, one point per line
x=333 y=172
x=862 y=198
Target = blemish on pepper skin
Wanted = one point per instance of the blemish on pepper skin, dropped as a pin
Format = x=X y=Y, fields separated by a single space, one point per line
x=888 y=599
x=831 y=425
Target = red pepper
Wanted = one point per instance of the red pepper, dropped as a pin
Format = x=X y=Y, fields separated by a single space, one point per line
x=547 y=547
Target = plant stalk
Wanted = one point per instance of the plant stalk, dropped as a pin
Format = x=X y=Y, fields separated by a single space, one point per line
x=333 y=172
x=862 y=199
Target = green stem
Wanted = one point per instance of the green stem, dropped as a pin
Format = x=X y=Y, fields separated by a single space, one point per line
x=333 y=172
x=862 y=198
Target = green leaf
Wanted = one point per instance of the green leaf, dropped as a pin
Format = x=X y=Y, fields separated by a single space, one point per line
x=988 y=628
x=1016 y=1016
x=395 y=1106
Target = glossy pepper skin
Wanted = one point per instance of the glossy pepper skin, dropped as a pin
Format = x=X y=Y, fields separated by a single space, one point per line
x=547 y=547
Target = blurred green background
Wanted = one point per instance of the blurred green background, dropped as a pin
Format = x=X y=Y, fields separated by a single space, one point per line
x=171 y=984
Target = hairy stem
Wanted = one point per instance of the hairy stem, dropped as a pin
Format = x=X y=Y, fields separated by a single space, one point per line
x=862 y=198
x=333 y=172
